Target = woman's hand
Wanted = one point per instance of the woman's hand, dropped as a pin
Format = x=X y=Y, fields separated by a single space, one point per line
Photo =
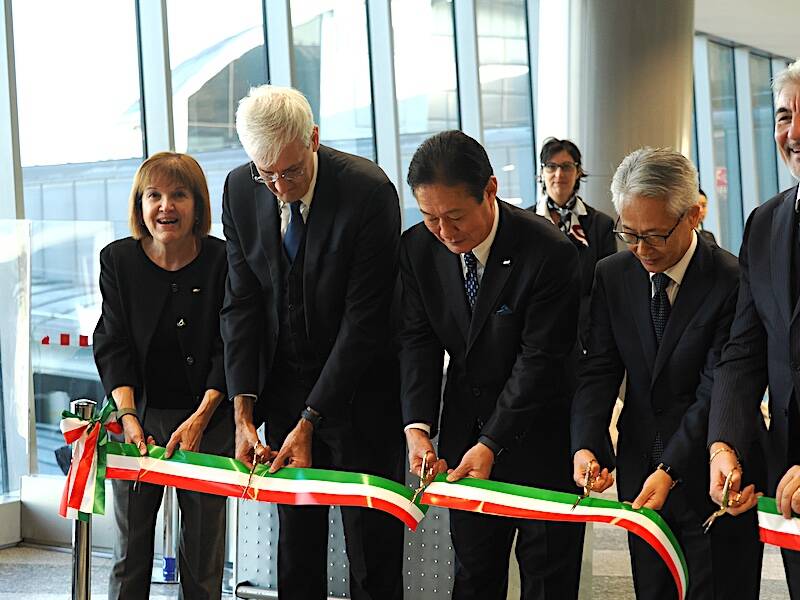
x=132 y=430
x=188 y=434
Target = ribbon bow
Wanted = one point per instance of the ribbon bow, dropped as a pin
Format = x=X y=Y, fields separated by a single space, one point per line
x=84 y=491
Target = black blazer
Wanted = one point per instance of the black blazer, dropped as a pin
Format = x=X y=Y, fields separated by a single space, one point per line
x=134 y=291
x=669 y=385
x=506 y=375
x=598 y=228
x=765 y=341
x=350 y=271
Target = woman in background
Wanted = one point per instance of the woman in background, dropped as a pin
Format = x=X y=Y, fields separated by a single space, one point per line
x=159 y=354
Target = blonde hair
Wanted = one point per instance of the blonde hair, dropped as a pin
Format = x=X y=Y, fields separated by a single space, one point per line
x=174 y=167
x=270 y=118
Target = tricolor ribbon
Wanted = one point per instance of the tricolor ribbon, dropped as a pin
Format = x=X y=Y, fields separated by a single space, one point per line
x=85 y=490
x=228 y=477
x=774 y=529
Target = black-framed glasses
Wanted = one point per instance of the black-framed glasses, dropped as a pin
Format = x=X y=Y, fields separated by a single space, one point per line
x=567 y=167
x=651 y=239
x=288 y=175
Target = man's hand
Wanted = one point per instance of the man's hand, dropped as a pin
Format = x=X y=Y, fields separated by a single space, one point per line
x=654 y=491
x=296 y=449
x=787 y=496
x=249 y=448
x=188 y=434
x=601 y=479
x=419 y=446
x=477 y=463
x=724 y=462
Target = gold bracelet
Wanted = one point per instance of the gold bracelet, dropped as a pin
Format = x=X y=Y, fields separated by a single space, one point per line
x=123 y=412
x=719 y=451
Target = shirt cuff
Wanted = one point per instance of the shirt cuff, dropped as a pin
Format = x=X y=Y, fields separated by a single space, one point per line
x=422 y=426
x=253 y=396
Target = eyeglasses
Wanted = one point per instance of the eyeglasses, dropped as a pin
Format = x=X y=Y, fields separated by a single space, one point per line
x=651 y=239
x=288 y=175
x=567 y=167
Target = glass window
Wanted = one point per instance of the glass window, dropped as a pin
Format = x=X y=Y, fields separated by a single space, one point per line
x=727 y=177
x=763 y=126
x=81 y=141
x=216 y=53
x=331 y=67
x=506 y=97
x=425 y=73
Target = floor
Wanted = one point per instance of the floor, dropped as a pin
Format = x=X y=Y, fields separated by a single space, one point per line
x=33 y=573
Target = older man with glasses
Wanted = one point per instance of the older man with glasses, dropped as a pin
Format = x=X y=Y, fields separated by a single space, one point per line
x=661 y=314
x=313 y=238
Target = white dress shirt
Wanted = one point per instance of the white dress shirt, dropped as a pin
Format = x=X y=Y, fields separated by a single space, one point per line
x=676 y=272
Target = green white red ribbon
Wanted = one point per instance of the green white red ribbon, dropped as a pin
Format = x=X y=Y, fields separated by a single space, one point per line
x=510 y=500
x=95 y=459
x=774 y=529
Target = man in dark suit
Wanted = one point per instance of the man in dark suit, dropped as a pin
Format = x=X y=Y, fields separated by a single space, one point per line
x=661 y=313
x=496 y=287
x=764 y=348
x=312 y=239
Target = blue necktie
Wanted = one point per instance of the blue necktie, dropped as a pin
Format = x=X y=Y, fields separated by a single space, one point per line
x=295 y=230
x=471 y=278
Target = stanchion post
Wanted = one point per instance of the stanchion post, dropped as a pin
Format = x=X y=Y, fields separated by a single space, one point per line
x=82 y=533
x=169 y=570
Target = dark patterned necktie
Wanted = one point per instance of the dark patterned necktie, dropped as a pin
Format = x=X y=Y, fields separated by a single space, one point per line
x=659 y=312
x=564 y=213
x=659 y=304
x=295 y=230
x=471 y=278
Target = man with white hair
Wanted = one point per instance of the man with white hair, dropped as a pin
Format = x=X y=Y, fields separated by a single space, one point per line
x=312 y=239
x=764 y=348
x=661 y=313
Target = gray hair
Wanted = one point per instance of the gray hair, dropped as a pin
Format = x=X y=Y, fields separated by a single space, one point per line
x=789 y=76
x=270 y=118
x=658 y=173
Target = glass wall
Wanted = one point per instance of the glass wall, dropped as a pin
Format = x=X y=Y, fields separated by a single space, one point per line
x=425 y=75
x=217 y=54
x=506 y=97
x=763 y=126
x=331 y=61
x=80 y=143
x=727 y=177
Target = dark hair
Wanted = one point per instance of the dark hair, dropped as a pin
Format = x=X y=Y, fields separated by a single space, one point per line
x=700 y=192
x=553 y=146
x=451 y=158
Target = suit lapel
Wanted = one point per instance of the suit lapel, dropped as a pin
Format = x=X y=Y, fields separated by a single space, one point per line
x=448 y=265
x=697 y=282
x=269 y=230
x=638 y=287
x=495 y=274
x=781 y=253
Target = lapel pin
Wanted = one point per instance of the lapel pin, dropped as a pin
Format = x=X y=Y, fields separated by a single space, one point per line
x=195 y=290
x=507 y=262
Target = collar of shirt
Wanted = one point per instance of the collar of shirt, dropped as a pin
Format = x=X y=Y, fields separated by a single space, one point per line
x=481 y=251
x=305 y=208
x=677 y=271
x=797 y=200
x=579 y=210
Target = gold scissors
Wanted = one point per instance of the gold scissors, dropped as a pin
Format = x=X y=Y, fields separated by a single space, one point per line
x=252 y=469
x=723 y=507
x=139 y=472
x=588 y=482
x=426 y=477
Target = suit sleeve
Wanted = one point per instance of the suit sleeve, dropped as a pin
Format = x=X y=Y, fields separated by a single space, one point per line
x=112 y=345
x=241 y=317
x=741 y=376
x=216 y=373
x=421 y=353
x=608 y=241
x=600 y=374
x=693 y=428
x=370 y=285
x=548 y=336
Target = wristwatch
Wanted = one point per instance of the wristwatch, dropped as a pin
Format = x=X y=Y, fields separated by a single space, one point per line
x=671 y=472
x=312 y=416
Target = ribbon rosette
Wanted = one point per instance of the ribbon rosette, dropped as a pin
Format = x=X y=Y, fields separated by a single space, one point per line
x=85 y=491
